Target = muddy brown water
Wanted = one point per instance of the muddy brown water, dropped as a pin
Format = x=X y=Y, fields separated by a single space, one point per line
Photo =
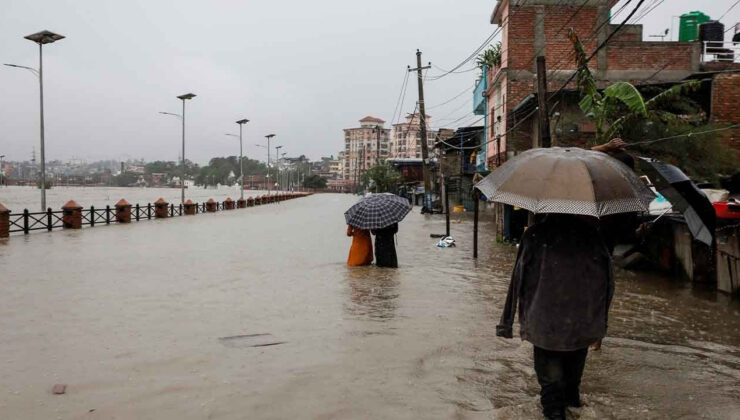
x=254 y=314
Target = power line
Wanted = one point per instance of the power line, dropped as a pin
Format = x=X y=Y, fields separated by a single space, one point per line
x=466 y=90
x=401 y=95
x=689 y=134
x=602 y=45
x=483 y=45
x=729 y=10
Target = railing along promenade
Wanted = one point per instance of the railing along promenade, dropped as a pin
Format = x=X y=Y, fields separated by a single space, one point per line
x=74 y=216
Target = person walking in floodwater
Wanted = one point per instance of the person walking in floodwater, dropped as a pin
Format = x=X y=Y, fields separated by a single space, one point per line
x=564 y=283
x=361 y=251
x=385 y=246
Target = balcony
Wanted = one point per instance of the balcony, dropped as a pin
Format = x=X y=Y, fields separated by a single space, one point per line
x=479 y=101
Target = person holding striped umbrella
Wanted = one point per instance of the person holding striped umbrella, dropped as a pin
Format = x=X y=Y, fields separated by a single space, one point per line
x=380 y=213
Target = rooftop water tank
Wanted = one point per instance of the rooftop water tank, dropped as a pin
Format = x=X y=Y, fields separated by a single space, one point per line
x=712 y=31
x=688 y=30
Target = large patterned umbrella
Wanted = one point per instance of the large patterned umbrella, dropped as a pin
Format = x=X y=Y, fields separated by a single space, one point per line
x=377 y=211
x=567 y=180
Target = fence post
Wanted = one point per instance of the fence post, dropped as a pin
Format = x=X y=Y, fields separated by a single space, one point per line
x=149 y=211
x=4 y=222
x=180 y=209
x=228 y=204
x=72 y=215
x=138 y=211
x=107 y=214
x=49 y=222
x=190 y=208
x=172 y=210
x=25 y=221
x=161 y=209
x=92 y=216
x=123 y=211
x=211 y=206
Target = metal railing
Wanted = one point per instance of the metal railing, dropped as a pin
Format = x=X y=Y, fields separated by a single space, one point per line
x=27 y=221
x=720 y=52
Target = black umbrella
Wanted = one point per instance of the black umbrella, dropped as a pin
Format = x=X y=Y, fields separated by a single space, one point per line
x=684 y=196
x=377 y=211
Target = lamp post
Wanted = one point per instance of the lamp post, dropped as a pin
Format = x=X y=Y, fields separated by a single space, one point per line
x=277 y=166
x=269 y=137
x=184 y=98
x=241 y=154
x=2 y=171
x=41 y=38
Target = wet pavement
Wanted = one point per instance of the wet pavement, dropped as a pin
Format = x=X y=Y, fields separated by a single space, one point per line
x=254 y=314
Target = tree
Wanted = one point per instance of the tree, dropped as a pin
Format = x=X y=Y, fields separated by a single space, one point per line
x=381 y=178
x=314 y=181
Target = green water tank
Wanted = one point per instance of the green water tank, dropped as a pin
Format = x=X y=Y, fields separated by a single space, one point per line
x=688 y=29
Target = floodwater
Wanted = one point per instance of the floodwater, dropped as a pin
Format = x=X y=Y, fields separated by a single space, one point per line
x=18 y=198
x=253 y=314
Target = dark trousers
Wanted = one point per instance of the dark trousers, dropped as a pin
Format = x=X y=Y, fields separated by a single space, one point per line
x=559 y=374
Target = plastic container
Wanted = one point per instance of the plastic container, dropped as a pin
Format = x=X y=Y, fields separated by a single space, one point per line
x=727 y=210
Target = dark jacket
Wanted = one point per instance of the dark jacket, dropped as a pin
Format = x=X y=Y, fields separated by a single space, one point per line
x=563 y=280
x=385 y=246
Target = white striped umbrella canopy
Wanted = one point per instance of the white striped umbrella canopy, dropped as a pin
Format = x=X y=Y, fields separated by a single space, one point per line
x=567 y=180
x=377 y=211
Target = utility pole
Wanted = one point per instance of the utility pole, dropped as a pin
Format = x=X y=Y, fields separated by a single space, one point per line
x=423 y=121
x=544 y=117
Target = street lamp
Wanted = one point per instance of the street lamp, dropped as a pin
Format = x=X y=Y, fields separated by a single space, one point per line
x=41 y=38
x=269 y=137
x=241 y=154
x=184 y=98
x=182 y=118
x=2 y=170
x=277 y=166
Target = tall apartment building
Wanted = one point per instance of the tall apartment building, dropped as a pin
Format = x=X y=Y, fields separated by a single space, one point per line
x=363 y=146
x=407 y=138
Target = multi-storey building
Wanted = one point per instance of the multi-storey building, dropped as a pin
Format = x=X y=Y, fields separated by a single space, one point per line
x=364 y=146
x=534 y=28
x=407 y=138
x=335 y=166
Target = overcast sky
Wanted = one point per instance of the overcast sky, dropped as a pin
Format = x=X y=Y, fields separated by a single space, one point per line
x=300 y=69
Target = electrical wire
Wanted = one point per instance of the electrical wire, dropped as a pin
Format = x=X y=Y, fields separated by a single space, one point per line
x=483 y=45
x=466 y=90
x=401 y=96
x=729 y=10
x=689 y=134
x=602 y=45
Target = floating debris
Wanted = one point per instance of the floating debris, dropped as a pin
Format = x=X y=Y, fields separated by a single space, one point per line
x=59 y=389
x=250 y=340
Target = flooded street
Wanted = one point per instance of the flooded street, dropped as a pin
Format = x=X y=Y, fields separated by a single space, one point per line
x=253 y=314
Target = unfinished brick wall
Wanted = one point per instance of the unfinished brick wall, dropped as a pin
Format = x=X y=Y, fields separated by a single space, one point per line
x=650 y=56
x=726 y=105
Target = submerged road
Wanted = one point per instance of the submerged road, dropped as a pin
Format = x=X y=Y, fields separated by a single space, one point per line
x=254 y=314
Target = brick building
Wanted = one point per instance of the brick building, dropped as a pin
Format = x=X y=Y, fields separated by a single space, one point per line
x=540 y=27
x=725 y=104
x=361 y=147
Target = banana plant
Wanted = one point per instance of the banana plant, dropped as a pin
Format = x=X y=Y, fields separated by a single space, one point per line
x=621 y=102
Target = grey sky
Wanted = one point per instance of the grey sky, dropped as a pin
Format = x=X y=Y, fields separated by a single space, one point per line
x=303 y=70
